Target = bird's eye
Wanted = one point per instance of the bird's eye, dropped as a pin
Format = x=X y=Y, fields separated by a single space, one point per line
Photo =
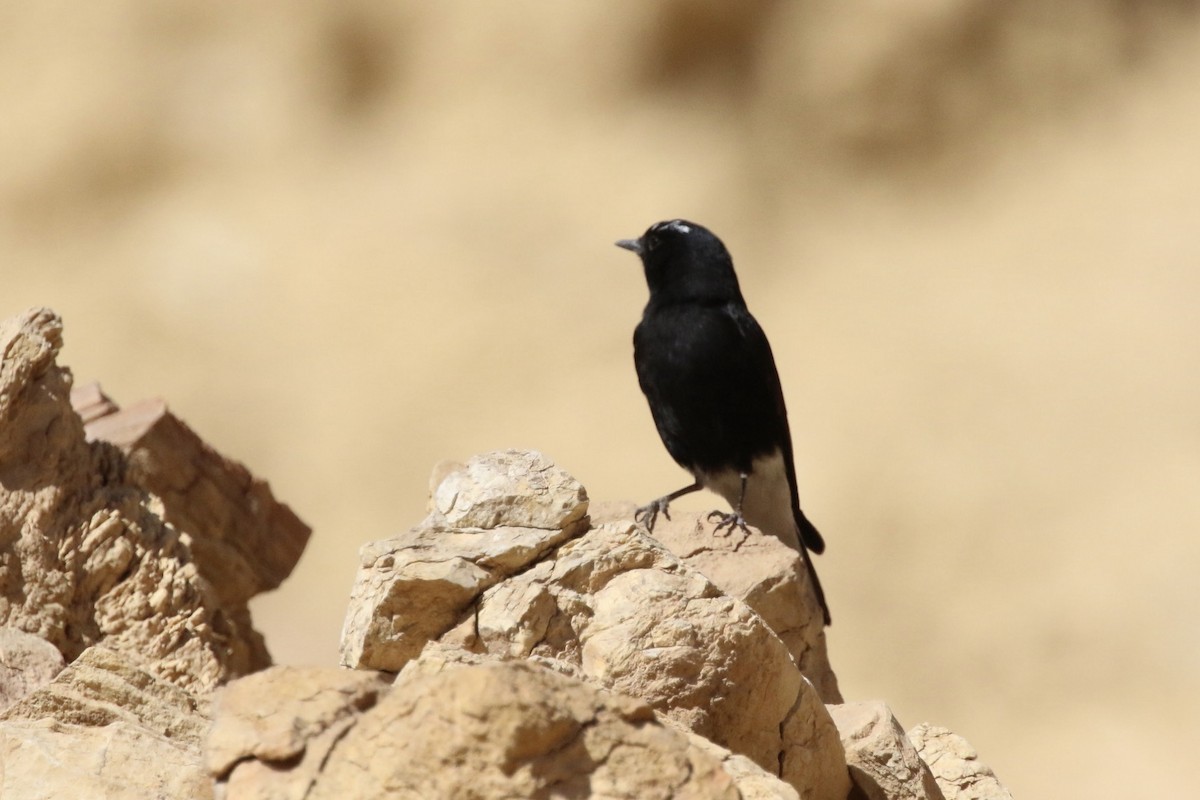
x=651 y=242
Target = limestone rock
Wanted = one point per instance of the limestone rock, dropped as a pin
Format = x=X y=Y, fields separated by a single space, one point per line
x=754 y=782
x=414 y=588
x=104 y=728
x=955 y=765
x=636 y=620
x=273 y=731
x=26 y=663
x=538 y=654
x=516 y=730
x=813 y=759
x=87 y=554
x=608 y=604
x=508 y=488
x=244 y=541
x=47 y=760
x=481 y=731
x=883 y=762
x=757 y=569
x=103 y=687
x=641 y=623
x=457 y=724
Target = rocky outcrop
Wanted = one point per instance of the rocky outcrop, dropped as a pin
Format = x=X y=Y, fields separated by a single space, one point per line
x=104 y=728
x=530 y=578
x=516 y=643
x=243 y=541
x=955 y=765
x=275 y=730
x=883 y=763
x=470 y=728
x=95 y=547
x=762 y=572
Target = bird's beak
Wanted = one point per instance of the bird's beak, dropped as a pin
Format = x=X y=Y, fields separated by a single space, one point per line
x=631 y=244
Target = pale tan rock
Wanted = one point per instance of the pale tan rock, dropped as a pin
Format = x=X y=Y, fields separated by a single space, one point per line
x=459 y=725
x=104 y=729
x=754 y=782
x=514 y=730
x=507 y=488
x=955 y=765
x=49 y=760
x=883 y=762
x=414 y=588
x=273 y=731
x=759 y=570
x=813 y=758
x=244 y=540
x=86 y=556
x=26 y=663
x=635 y=619
x=103 y=687
x=666 y=635
x=609 y=604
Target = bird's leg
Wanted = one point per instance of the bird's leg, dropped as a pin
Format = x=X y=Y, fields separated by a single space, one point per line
x=735 y=519
x=648 y=514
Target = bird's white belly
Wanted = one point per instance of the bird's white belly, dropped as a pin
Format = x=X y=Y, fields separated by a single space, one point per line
x=768 y=502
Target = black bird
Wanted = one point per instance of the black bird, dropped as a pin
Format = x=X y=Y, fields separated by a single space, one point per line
x=707 y=371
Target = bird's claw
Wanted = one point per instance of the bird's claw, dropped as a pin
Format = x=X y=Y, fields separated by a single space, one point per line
x=727 y=522
x=648 y=514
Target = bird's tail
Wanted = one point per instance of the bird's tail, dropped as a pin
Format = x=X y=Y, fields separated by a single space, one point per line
x=816 y=585
x=809 y=534
x=810 y=539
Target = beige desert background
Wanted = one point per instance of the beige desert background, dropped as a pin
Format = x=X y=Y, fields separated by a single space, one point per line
x=346 y=240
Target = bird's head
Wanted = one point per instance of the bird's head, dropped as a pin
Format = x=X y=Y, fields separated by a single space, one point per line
x=683 y=262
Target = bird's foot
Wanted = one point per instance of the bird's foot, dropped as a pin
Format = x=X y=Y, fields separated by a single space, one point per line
x=648 y=514
x=727 y=523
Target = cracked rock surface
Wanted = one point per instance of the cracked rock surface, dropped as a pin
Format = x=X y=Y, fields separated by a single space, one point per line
x=528 y=575
x=88 y=550
x=104 y=728
x=955 y=765
x=462 y=726
x=518 y=642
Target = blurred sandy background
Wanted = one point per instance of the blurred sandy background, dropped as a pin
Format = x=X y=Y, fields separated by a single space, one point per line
x=348 y=239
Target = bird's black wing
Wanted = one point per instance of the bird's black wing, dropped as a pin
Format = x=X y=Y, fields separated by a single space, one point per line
x=783 y=438
x=710 y=378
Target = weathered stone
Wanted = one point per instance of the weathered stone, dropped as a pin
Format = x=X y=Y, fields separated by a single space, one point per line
x=103 y=687
x=813 y=759
x=26 y=663
x=414 y=588
x=666 y=635
x=611 y=605
x=273 y=731
x=883 y=762
x=753 y=782
x=515 y=730
x=757 y=569
x=244 y=541
x=49 y=760
x=457 y=724
x=104 y=728
x=85 y=554
x=507 y=488
x=955 y=765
